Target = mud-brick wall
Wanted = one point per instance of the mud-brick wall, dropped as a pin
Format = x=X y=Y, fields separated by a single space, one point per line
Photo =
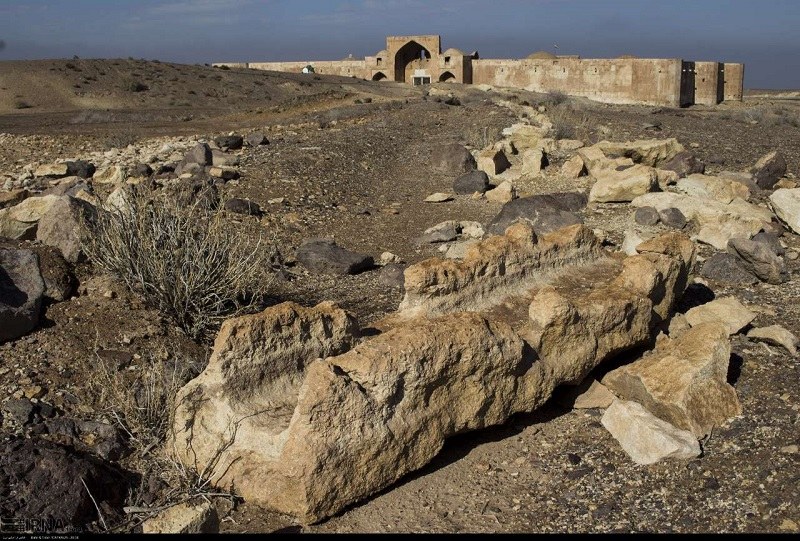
x=733 y=81
x=628 y=80
x=707 y=84
x=345 y=68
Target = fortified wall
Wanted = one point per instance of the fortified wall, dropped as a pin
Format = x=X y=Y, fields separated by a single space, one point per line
x=419 y=60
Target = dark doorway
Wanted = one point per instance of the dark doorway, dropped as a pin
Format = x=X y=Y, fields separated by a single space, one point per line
x=410 y=57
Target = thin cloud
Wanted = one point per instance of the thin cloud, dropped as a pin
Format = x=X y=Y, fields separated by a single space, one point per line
x=201 y=8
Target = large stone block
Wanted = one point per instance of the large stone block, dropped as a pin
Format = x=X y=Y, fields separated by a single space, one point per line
x=684 y=380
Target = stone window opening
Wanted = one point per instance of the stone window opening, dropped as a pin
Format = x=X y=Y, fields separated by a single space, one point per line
x=446 y=60
x=380 y=60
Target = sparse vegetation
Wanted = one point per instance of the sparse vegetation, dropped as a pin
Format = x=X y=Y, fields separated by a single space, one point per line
x=137 y=86
x=184 y=261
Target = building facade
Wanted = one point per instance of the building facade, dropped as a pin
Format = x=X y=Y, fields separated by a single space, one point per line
x=419 y=60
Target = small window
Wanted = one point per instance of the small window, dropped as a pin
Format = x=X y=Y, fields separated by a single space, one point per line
x=380 y=60
x=446 y=60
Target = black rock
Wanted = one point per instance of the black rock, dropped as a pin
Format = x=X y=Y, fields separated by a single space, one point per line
x=546 y=212
x=242 y=206
x=727 y=268
x=684 y=163
x=57 y=485
x=80 y=168
x=326 y=257
x=141 y=170
x=391 y=275
x=469 y=183
x=200 y=154
x=21 y=410
x=769 y=170
x=229 y=142
x=673 y=218
x=771 y=240
x=452 y=158
x=759 y=259
x=646 y=216
x=21 y=292
x=256 y=139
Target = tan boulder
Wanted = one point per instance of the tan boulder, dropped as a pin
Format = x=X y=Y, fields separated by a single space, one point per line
x=573 y=167
x=55 y=170
x=503 y=193
x=625 y=185
x=684 y=380
x=510 y=263
x=776 y=335
x=21 y=221
x=726 y=310
x=492 y=161
x=184 y=518
x=596 y=395
x=114 y=174
x=646 y=438
x=720 y=189
x=650 y=152
x=533 y=160
x=14 y=197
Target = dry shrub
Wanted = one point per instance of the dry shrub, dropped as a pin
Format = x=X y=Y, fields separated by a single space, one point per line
x=185 y=261
x=568 y=123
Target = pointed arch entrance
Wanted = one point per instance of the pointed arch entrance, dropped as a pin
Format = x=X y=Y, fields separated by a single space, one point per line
x=447 y=77
x=380 y=76
x=411 y=63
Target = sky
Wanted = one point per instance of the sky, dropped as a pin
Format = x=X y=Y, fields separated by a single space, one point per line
x=761 y=33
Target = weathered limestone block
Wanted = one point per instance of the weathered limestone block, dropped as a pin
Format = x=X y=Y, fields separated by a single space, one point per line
x=786 y=204
x=596 y=162
x=495 y=268
x=718 y=188
x=503 y=193
x=22 y=220
x=533 y=160
x=728 y=311
x=292 y=414
x=113 y=174
x=60 y=226
x=684 y=380
x=625 y=185
x=184 y=518
x=573 y=330
x=493 y=161
x=646 y=438
x=573 y=167
x=650 y=152
x=719 y=222
x=363 y=419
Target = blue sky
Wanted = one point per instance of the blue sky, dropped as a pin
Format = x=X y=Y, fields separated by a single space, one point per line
x=764 y=34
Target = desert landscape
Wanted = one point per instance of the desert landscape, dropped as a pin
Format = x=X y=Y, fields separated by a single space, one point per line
x=235 y=300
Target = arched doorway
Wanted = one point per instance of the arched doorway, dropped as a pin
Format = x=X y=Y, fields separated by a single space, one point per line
x=411 y=58
x=447 y=77
x=380 y=76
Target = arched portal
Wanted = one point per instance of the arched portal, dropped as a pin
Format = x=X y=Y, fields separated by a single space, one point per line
x=380 y=76
x=447 y=77
x=412 y=58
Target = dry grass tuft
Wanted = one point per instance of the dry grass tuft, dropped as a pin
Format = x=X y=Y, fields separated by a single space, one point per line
x=185 y=261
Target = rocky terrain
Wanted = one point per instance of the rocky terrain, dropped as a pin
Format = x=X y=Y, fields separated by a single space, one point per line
x=440 y=309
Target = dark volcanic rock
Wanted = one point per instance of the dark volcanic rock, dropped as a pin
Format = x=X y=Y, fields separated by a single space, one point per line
x=452 y=158
x=769 y=169
x=242 y=206
x=80 y=168
x=673 y=218
x=256 y=139
x=229 y=142
x=727 y=268
x=326 y=257
x=771 y=240
x=547 y=212
x=759 y=259
x=392 y=275
x=21 y=291
x=469 y=183
x=684 y=163
x=646 y=216
x=49 y=482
